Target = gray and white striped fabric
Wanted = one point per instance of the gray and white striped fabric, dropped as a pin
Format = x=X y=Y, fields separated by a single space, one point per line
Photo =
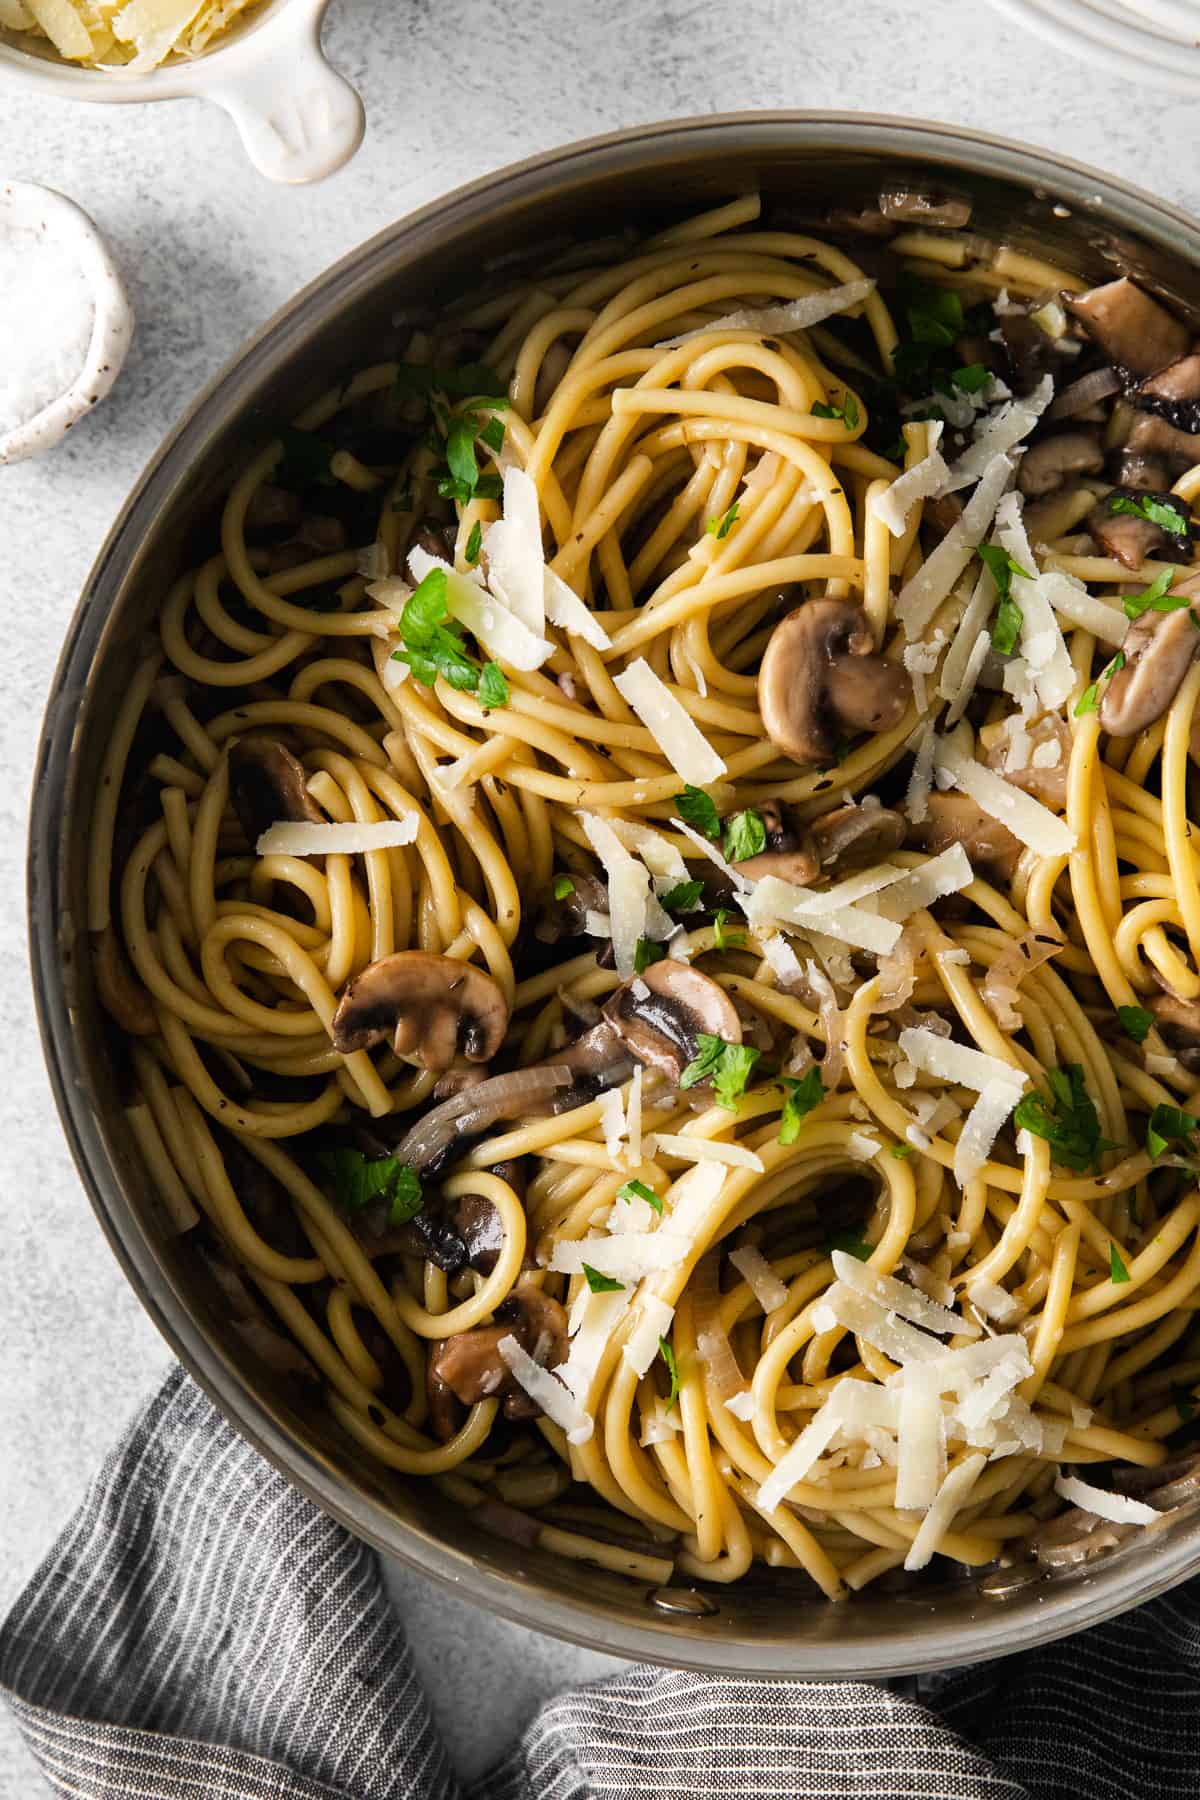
x=201 y=1632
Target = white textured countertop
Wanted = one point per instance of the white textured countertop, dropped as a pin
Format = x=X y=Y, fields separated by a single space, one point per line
x=209 y=251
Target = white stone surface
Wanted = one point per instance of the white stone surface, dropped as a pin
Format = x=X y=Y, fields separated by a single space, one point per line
x=210 y=250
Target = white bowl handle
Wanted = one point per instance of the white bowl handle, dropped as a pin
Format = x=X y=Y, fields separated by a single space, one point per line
x=298 y=118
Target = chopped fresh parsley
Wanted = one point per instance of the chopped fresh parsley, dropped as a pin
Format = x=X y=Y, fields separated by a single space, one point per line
x=1087 y=701
x=721 y=527
x=493 y=688
x=802 y=1096
x=668 y=1356
x=474 y=544
x=1155 y=598
x=699 y=811
x=431 y=647
x=305 y=461
x=1135 y=1022
x=971 y=377
x=847 y=412
x=472 y=381
x=647 y=952
x=1168 y=515
x=727 y=1066
x=683 y=897
x=492 y=434
x=637 y=1190
x=1067 y=1120
x=900 y=1151
x=1117 y=1272
x=745 y=835
x=1168 y=1125
x=460 y=450
x=935 y=315
x=723 y=938
x=563 y=885
x=852 y=1243
x=602 y=1284
x=357 y=1180
x=1006 y=628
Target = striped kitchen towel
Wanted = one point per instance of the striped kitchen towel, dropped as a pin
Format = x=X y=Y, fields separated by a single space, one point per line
x=201 y=1632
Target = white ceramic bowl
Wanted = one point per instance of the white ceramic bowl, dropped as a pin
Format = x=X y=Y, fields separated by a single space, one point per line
x=52 y=215
x=298 y=118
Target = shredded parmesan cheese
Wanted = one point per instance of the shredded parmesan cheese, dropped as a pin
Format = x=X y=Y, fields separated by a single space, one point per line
x=698 y=1150
x=565 y=609
x=1027 y=819
x=1003 y=431
x=560 y=1406
x=674 y=731
x=765 y=1285
x=352 y=839
x=792 y=315
x=982 y=1126
x=516 y=571
x=920 y=598
x=952 y=1497
x=502 y=634
x=1118 y=1508
x=641 y=1346
x=924 y=479
x=956 y=1063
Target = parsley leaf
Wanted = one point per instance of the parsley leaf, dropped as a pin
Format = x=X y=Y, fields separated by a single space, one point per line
x=1167 y=1125
x=852 y=1244
x=1009 y=617
x=847 y=412
x=1169 y=516
x=430 y=649
x=802 y=1096
x=727 y=1066
x=668 y=1356
x=935 y=315
x=971 y=377
x=492 y=435
x=472 y=381
x=1068 y=1120
x=1087 y=702
x=474 y=544
x=647 y=952
x=724 y=939
x=493 y=688
x=745 y=835
x=637 y=1190
x=460 y=450
x=306 y=459
x=1117 y=1272
x=683 y=897
x=699 y=811
x=1135 y=1022
x=563 y=885
x=357 y=1180
x=721 y=528
x=1155 y=598
x=900 y=1151
x=602 y=1284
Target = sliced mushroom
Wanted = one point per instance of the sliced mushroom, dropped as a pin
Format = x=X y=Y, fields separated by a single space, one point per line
x=268 y=784
x=1131 y=537
x=1133 y=330
x=853 y=837
x=567 y=918
x=435 y=537
x=1179 y=381
x=820 y=678
x=1032 y=352
x=125 y=999
x=468 y=1367
x=1139 y=473
x=908 y=207
x=1159 y=649
x=955 y=819
x=477 y=1221
x=1047 y=782
x=433 y=1007
x=1152 y=435
x=271 y=507
x=660 y=1014
x=1075 y=1537
x=1179 y=1022
x=1047 y=464
x=1168 y=1485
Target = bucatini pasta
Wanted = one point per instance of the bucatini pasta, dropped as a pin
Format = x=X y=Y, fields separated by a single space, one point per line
x=646 y=884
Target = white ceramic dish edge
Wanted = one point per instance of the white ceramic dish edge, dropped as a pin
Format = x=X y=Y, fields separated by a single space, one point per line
x=44 y=209
x=299 y=120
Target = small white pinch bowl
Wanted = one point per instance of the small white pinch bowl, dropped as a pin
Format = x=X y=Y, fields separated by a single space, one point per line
x=27 y=207
x=298 y=118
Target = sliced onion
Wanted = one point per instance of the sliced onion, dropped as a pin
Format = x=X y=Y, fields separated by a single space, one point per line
x=897 y=977
x=712 y=1340
x=1008 y=971
x=1098 y=384
x=472 y=1111
x=830 y=1014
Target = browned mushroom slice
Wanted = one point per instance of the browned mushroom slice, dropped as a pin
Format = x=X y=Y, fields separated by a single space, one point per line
x=661 y=1013
x=1046 y=782
x=268 y=784
x=1179 y=381
x=125 y=999
x=270 y=507
x=1150 y=435
x=1172 y=1483
x=1076 y=1537
x=1158 y=649
x=433 y=1007
x=468 y=1367
x=853 y=837
x=908 y=207
x=567 y=918
x=1179 y=1022
x=955 y=819
x=1050 y=462
x=1121 y=528
x=1139 y=473
x=821 y=678
x=798 y=866
x=1133 y=330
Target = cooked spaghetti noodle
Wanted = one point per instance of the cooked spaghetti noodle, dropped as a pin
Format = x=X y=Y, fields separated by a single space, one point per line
x=724 y=1094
